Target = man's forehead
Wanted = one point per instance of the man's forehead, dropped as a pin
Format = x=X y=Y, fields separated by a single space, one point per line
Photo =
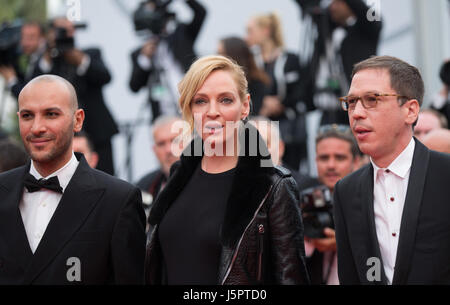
x=371 y=79
x=47 y=94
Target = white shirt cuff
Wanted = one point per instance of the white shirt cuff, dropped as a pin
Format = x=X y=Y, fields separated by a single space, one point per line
x=144 y=62
x=85 y=63
x=12 y=82
x=45 y=66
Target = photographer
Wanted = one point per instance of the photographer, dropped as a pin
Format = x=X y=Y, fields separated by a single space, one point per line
x=441 y=100
x=161 y=62
x=17 y=63
x=345 y=36
x=337 y=155
x=86 y=71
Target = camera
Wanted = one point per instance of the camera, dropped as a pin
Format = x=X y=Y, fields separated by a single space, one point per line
x=10 y=34
x=317 y=211
x=152 y=15
x=63 y=42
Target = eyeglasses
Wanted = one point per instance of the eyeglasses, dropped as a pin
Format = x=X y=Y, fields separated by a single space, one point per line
x=368 y=100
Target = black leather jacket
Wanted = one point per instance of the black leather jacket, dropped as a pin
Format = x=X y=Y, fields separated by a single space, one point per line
x=262 y=232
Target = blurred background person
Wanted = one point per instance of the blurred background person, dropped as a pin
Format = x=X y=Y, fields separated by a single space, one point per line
x=82 y=143
x=86 y=71
x=282 y=101
x=238 y=50
x=337 y=155
x=438 y=139
x=429 y=120
x=270 y=133
x=159 y=65
x=12 y=155
x=32 y=45
x=441 y=101
x=164 y=133
x=345 y=36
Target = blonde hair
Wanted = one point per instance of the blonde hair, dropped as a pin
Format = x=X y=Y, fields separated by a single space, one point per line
x=273 y=23
x=199 y=72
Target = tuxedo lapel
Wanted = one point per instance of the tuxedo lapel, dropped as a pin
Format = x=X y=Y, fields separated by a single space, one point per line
x=410 y=214
x=12 y=230
x=366 y=195
x=77 y=202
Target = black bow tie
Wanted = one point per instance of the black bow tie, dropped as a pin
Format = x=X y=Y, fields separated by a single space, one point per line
x=34 y=185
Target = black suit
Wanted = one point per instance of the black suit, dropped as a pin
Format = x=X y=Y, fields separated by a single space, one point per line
x=99 y=123
x=99 y=220
x=423 y=255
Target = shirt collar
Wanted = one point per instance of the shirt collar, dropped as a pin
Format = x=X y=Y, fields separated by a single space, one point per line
x=401 y=165
x=64 y=174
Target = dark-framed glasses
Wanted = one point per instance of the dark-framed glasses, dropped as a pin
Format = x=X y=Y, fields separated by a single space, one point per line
x=368 y=100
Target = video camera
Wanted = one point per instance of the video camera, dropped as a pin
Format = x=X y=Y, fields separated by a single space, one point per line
x=152 y=15
x=10 y=34
x=317 y=211
x=63 y=42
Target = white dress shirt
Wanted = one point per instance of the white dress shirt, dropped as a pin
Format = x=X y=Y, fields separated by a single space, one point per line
x=389 y=193
x=37 y=208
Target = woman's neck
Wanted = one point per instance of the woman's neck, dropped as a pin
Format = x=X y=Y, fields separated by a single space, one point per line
x=218 y=164
x=269 y=51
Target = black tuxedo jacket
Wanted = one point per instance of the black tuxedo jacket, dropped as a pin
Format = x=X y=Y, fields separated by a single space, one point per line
x=423 y=254
x=99 y=221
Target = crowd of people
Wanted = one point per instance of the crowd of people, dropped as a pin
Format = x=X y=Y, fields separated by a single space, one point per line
x=228 y=203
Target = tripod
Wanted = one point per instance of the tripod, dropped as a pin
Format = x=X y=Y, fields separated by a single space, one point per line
x=128 y=128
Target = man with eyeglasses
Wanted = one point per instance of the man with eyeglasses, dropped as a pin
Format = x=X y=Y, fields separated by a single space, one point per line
x=391 y=216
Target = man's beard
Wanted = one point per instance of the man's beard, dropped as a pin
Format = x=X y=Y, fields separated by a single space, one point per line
x=59 y=148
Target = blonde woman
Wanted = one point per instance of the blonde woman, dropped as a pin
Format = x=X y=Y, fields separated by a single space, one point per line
x=282 y=101
x=226 y=215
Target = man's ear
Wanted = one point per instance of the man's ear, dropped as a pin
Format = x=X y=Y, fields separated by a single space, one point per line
x=412 y=108
x=79 y=119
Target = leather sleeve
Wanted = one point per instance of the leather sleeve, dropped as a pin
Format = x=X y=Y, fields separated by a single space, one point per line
x=286 y=234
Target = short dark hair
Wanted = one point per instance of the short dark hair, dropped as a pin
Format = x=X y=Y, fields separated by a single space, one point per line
x=12 y=155
x=405 y=78
x=341 y=132
x=84 y=134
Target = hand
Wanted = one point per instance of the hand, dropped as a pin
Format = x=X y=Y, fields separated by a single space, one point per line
x=7 y=72
x=325 y=244
x=272 y=106
x=444 y=91
x=149 y=48
x=74 y=57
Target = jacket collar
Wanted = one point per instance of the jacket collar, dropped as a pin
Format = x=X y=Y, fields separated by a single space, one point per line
x=250 y=183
